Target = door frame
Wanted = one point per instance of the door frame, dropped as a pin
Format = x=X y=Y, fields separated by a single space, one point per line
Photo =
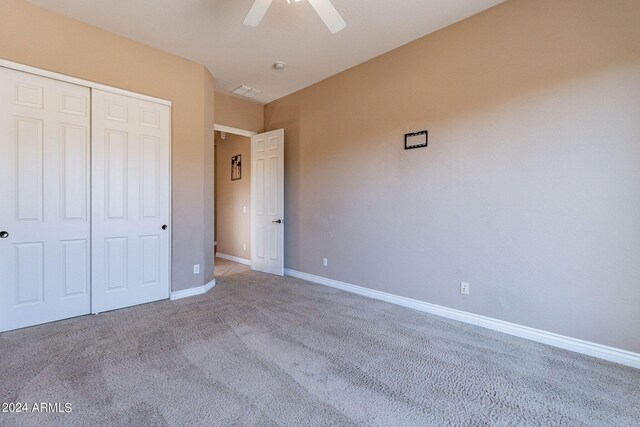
x=248 y=134
x=111 y=89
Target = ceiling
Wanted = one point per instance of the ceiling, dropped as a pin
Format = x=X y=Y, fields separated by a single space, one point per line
x=211 y=32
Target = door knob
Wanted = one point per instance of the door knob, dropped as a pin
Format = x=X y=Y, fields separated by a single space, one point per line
x=164 y=226
x=3 y=234
x=280 y=221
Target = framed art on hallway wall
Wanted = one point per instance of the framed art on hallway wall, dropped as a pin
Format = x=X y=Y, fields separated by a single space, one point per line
x=236 y=167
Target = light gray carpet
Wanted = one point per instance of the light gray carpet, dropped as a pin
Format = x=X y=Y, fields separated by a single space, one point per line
x=260 y=350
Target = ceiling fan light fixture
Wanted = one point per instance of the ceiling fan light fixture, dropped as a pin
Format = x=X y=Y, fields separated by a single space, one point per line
x=324 y=8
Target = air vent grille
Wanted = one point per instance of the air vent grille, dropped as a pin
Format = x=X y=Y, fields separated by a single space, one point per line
x=246 y=91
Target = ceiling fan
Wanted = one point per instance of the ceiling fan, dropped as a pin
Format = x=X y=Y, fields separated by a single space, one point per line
x=324 y=8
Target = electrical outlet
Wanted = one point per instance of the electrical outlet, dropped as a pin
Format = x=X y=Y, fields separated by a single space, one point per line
x=464 y=288
x=196 y=269
x=244 y=209
x=325 y=262
x=244 y=247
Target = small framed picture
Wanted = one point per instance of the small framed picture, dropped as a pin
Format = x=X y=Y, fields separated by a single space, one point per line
x=236 y=167
x=416 y=139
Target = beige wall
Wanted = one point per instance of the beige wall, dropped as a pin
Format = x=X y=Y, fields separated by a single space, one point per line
x=233 y=226
x=528 y=189
x=239 y=113
x=34 y=36
x=209 y=176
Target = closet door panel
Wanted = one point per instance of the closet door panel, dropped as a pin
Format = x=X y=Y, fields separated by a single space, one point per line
x=44 y=175
x=130 y=199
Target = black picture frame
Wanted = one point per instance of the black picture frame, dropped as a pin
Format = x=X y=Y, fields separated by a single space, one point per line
x=415 y=140
x=236 y=167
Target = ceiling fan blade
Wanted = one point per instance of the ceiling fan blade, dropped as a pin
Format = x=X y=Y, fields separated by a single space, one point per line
x=256 y=13
x=329 y=15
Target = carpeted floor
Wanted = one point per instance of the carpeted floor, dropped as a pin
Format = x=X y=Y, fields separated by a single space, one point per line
x=263 y=350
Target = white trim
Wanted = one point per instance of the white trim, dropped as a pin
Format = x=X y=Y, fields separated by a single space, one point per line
x=234 y=259
x=235 y=131
x=612 y=354
x=170 y=219
x=191 y=292
x=80 y=82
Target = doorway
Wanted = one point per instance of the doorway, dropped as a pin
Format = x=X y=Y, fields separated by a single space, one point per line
x=232 y=202
x=249 y=198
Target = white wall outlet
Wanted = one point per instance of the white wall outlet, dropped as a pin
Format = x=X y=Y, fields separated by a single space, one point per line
x=464 y=288
x=325 y=262
x=196 y=268
x=244 y=247
x=244 y=209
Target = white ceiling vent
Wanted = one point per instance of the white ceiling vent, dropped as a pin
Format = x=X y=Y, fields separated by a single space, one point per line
x=246 y=91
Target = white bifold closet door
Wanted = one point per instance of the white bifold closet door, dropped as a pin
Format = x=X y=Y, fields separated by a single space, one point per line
x=130 y=201
x=84 y=200
x=44 y=200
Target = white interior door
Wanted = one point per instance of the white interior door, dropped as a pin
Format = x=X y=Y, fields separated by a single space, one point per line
x=130 y=201
x=267 y=202
x=44 y=193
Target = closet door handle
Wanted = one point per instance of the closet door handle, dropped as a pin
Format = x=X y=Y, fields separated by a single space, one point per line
x=3 y=234
x=164 y=226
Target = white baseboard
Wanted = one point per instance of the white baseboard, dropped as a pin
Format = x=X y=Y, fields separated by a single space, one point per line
x=234 y=259
x=612 y=354
x=191 y=292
